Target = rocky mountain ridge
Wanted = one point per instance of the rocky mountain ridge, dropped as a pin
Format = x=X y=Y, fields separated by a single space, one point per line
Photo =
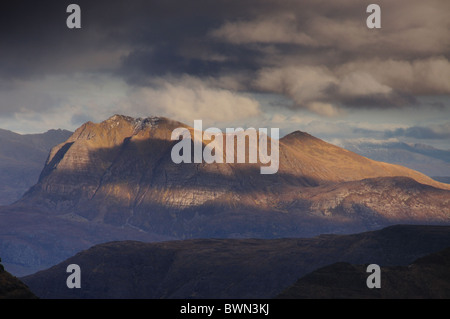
x=120 y=172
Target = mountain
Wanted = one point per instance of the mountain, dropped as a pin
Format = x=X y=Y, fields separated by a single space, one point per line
x=228 y=268
x=120 y=172
x=426 y=278
x=13 y=288
x=22 y=158
x=115 y=180
x=423 y=158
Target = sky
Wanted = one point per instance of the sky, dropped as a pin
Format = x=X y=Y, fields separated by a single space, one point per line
x=312 y=66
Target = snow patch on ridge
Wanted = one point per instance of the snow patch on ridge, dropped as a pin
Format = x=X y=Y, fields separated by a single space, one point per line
x=139 y=123
x=143 y=123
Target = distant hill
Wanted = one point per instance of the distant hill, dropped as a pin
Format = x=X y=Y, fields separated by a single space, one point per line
x=423 y=158
x=427 y=277
x=228 y=268
x=22 y=158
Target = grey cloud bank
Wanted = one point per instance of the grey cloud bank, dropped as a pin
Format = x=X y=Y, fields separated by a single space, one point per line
x=213 y=59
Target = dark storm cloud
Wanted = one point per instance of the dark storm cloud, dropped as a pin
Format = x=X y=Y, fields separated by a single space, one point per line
x=386 y=101
x=139 y=65
x=35 y=40
x=418 y=132
x=366 y=132
x=34 y=37
x=319 y=54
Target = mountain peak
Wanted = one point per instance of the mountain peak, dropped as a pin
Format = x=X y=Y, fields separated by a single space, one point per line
x=138 y=123
x=119 y=117
x=299 y=136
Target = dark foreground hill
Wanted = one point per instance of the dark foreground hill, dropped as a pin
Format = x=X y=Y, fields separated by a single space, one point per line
x=13 y=288
x=228 y=268
x=427 y=278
